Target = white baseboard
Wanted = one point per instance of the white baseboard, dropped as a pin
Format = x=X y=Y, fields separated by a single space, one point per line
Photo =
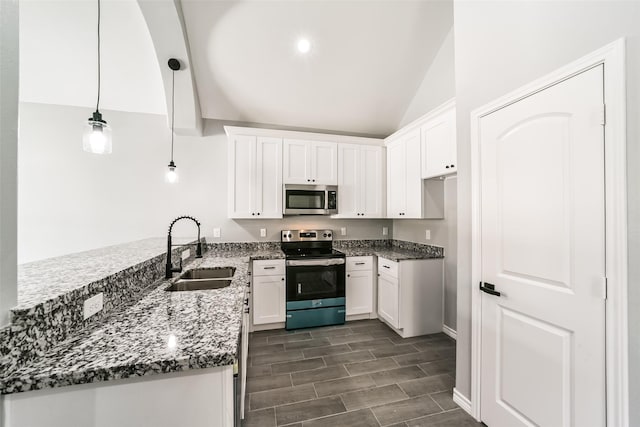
x=462 y=401
x=447 y=330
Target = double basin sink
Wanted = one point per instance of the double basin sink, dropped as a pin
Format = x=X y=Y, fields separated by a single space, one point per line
x=202 y=279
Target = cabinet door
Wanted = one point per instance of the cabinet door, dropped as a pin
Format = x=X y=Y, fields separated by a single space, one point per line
x=242 y=167
x=414 y=175
x=372 y=182
x=324 y=163
x=348 y=180
x=268 y=194
x=268 y=299
x=359 y=292
x=297 y=162
x=388 y=299
x=396 y=182
x=439 y=145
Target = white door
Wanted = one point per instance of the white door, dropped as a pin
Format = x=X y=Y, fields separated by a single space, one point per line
x=348 y=180
x=413 y=176
x=297 y=162
x=371 y=182
x=388 y=299
x=268 y=299
x=396 y=183
x=438 y=145
x=324 y=163
x=268 y=185
x=543 y=240
x=242 y=164
x=359 y=292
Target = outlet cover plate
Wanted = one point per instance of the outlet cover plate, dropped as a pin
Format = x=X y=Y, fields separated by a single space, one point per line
x=186 y=254
x=216 y=232
x=263 y=232
x=93 y=305
x=343 y=231
x=385 y=231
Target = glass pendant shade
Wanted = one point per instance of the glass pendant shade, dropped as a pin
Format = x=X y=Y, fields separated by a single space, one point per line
x=96 y=137
x=172 y=173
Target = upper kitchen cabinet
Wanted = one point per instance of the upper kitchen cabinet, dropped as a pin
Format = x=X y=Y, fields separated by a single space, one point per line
x=404 y=183
x=438 y=138
x=310 y=162
x=255 y=177
x=361 y=181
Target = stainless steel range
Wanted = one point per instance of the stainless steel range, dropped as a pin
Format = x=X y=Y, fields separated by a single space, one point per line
x=315 y=279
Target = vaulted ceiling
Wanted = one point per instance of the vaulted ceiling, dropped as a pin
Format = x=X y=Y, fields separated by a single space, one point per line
x=366 y=61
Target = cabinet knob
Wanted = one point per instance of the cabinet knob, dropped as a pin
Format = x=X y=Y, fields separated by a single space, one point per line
x=282 y=278
x=258 y=213
x=308 y=180
x=313 y=180
x=452 y=165
x=246 y=310
x=446 y=167
x=348 y=275
x=252 y=213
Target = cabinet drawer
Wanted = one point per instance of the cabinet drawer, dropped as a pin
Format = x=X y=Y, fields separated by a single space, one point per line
x=272 y=267
x=357 y=263
x=387 y=267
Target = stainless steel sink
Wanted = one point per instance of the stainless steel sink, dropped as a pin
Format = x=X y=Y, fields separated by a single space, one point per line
x=198 y=284
x=209 y=273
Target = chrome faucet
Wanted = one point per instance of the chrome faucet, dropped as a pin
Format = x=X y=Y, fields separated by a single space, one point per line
x=170 y=269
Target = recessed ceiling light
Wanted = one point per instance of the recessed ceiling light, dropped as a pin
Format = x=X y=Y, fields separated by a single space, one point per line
x=304 y=45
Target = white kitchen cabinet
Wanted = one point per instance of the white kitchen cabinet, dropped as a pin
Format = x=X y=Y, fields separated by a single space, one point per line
x=410 y=295
x=404 y=184
x=269 y=287
x=438 y=139
x=255 y=177
x=361 y=183
x=310 y=162
x=359 y=285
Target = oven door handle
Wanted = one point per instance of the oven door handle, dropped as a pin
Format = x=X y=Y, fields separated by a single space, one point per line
x=315 y=262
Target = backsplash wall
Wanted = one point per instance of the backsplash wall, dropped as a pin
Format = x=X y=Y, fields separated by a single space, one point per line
x=71 y=201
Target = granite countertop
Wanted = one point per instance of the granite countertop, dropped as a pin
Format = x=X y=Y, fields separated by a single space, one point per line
x=164 y=332
x=392 y=254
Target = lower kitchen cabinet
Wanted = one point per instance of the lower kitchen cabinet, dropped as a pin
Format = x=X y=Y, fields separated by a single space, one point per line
x=269 y=292
x=359 y=285
x=195 y=398
x=410 y=295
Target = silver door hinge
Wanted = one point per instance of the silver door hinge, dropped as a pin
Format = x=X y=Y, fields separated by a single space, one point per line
x=603 y=115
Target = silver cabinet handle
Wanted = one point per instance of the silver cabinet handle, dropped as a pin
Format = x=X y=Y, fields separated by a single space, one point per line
x=386 y=266
x=312 y=263
x=359 y=263
x=299 y=288
x=269 y=268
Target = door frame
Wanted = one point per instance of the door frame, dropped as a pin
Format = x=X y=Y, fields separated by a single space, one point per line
x=616 y=369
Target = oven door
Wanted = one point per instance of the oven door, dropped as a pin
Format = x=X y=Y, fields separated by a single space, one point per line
x=309 y=281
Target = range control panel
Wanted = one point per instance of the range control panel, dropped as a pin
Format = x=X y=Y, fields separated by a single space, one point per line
x=306 y=235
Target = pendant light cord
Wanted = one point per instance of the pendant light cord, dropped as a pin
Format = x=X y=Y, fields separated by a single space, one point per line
x=98 y=100
x=173 y=107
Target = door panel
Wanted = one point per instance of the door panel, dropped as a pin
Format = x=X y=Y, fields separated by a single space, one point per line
x=413 y=175
x=348 y=180
x=269 y=178
x=324 y=169
x=388 y=299
x=371 y=183
x=542 y=227
x=297 y=162
x=359 y=292
x=397 y=191
x=242 y=158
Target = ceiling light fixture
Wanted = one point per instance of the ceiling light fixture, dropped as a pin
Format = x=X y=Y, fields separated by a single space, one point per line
x=96 y=137
x=172 y=174
x=304 y=45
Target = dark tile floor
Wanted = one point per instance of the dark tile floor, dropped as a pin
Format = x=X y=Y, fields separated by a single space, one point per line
x=358 y=374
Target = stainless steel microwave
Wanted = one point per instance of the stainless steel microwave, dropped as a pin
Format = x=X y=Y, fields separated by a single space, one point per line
x=310 y=199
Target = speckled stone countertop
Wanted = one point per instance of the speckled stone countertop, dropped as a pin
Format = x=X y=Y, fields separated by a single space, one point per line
x=392 y=254
x=163 y=332
x=44 y=280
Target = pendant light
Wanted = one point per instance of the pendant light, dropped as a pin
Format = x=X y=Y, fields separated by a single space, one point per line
x=97 y=134
x=172 y=174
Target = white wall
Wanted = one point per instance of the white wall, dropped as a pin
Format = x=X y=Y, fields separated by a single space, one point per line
x=438 y=85
x=71 y=201
x=502 y=45
x=8 y=155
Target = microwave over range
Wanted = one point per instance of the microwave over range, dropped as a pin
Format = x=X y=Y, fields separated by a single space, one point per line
x=310 y=199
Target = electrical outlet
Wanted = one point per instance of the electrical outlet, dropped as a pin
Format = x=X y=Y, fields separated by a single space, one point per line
x=93 y=305
x=385 y=231
x=427 y=234
x=263 y=232
x=186 y=254
x=216 y=232
x=343 y=231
